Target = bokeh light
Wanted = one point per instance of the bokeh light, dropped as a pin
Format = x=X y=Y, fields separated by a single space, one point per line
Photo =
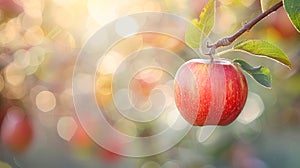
x=253 y=109
x=45 y=101
x=66 y=127
x=110 y=63
x=103 y=11
x=34 y=35
x=127 y=26
x=14 y=74
x=226 y=19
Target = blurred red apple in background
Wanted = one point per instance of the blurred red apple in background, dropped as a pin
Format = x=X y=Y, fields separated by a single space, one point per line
x=16 y=130
x=210 y=92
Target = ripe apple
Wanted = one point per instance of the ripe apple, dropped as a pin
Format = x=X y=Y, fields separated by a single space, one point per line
x=210 y=92
x=16 y=130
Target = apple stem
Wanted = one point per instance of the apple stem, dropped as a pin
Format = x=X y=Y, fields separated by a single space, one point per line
x=246 y=27
x=211 y=53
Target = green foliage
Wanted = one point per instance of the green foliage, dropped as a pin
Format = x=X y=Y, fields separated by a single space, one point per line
x=263 y=48
x=193 y=35
x=260 y=74
x=198 y=30
x=292 y=7
x=267 y=4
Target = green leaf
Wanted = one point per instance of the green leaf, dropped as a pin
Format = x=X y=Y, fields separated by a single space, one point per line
x=263 y=48
x=199 y=29
x=292 y=7
x=267 y=4
x=260 y=74
x=193 y=35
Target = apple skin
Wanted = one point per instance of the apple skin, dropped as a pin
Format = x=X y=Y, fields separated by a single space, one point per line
x=210 y=92
x=16 y=131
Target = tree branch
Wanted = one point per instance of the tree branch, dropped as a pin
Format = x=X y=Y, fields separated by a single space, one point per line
x=246 y=27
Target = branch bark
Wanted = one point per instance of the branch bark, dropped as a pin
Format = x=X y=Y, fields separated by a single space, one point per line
x=246 y=27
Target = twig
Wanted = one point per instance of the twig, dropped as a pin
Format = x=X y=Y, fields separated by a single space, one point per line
x=246 y=27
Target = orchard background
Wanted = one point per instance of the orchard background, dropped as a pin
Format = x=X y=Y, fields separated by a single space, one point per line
x=39 y=44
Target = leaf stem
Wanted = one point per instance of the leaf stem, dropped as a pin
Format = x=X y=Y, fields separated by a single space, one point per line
x=246 y=27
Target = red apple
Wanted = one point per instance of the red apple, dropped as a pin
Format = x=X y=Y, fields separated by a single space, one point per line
x=16 y=130
x=210 y=92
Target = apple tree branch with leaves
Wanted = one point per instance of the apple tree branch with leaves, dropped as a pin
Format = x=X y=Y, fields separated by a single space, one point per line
x=256 y=47
x=218 y=91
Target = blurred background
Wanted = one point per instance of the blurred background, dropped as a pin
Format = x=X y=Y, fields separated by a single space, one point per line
x=39 y=44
